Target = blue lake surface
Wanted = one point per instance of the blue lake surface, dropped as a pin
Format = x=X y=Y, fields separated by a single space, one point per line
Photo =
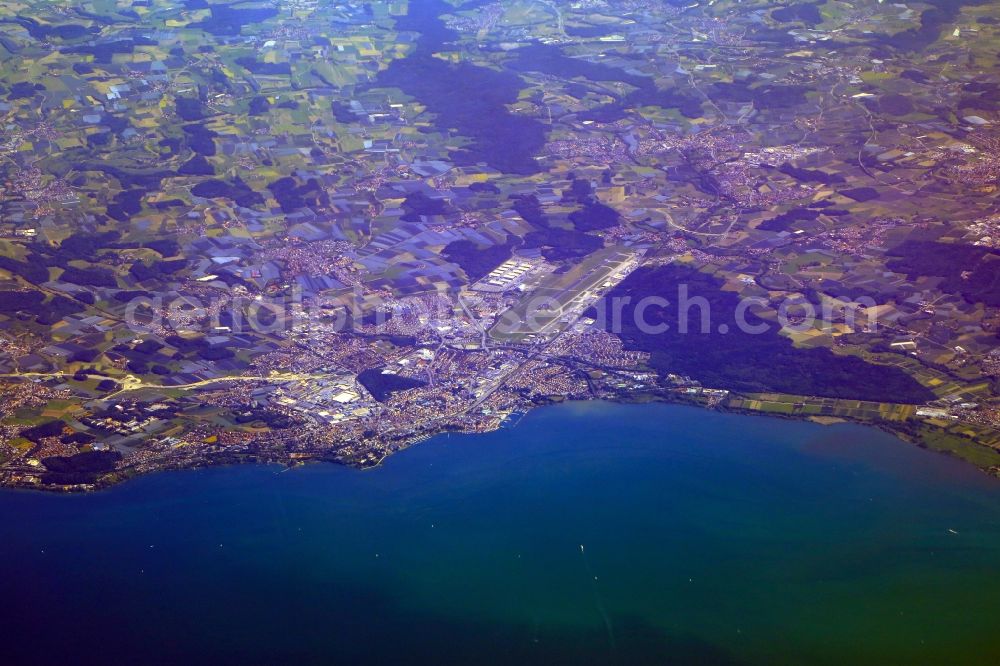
x=592 y=533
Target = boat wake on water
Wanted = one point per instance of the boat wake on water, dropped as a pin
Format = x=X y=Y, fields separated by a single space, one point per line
x=597 y=597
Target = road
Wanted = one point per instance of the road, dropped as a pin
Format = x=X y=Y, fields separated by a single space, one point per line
x=131 y=383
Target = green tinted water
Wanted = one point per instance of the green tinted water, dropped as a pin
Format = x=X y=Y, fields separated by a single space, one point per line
x=590 y=533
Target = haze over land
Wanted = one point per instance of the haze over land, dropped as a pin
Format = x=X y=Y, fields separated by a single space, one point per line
x=291 y=231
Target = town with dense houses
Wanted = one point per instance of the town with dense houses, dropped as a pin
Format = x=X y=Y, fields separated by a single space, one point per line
x=292 y=231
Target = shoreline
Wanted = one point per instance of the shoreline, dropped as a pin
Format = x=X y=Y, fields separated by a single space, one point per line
x=291 y=460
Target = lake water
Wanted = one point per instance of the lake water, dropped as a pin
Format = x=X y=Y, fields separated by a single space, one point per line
x=591 y=533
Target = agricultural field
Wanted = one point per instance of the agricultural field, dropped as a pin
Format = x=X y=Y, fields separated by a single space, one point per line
x=263 y=229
